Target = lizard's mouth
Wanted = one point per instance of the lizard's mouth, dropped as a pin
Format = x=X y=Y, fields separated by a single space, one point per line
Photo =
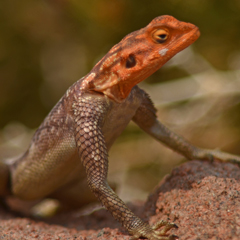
x=180 y=43
x=189 y=37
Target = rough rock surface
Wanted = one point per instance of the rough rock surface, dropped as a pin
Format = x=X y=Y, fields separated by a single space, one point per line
x=202 y=198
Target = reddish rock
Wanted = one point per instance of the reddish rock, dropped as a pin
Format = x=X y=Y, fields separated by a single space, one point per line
x=202 y=198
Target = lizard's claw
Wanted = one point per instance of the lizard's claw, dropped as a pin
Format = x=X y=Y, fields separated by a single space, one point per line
x=210 y=155
x=152 y=233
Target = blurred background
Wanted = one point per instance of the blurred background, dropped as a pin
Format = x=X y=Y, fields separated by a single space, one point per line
x=45 y=46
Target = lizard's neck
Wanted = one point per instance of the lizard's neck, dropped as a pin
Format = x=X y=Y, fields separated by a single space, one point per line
x=107 y=83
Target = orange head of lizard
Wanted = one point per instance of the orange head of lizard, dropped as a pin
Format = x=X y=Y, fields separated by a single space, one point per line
x=140 y=54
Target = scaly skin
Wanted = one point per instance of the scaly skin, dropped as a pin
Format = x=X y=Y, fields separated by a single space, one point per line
x=70 y=148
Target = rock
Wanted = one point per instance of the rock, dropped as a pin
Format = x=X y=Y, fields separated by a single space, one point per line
x=202 y=198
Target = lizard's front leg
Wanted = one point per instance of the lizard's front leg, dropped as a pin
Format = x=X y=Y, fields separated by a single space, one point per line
x=146 y=118
x=89 y=117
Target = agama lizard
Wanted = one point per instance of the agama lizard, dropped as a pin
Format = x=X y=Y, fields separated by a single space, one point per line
x=70 y=148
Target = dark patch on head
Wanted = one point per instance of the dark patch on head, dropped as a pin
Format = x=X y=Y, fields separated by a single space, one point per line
x=131 y=61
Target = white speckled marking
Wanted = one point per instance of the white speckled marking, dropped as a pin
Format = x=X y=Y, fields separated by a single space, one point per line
x=110 y=60
x=163 y=52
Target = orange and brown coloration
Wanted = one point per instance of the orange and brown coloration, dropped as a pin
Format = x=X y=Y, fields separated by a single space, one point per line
x=70 y=149
x=139 y=55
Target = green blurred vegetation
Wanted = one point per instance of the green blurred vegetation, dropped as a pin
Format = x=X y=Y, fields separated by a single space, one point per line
x=45 y=46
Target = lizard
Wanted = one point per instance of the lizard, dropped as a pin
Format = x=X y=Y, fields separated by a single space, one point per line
x=69 y=151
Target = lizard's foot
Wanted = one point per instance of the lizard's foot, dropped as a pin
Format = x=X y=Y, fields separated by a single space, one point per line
x=152 y=233
x=210 y=155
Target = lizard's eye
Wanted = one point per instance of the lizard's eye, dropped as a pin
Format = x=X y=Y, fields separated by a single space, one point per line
x=131 y=61
x=160 y=36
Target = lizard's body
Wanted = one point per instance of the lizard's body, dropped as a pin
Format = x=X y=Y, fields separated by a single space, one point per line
x=60 y=134
x=72 y=143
